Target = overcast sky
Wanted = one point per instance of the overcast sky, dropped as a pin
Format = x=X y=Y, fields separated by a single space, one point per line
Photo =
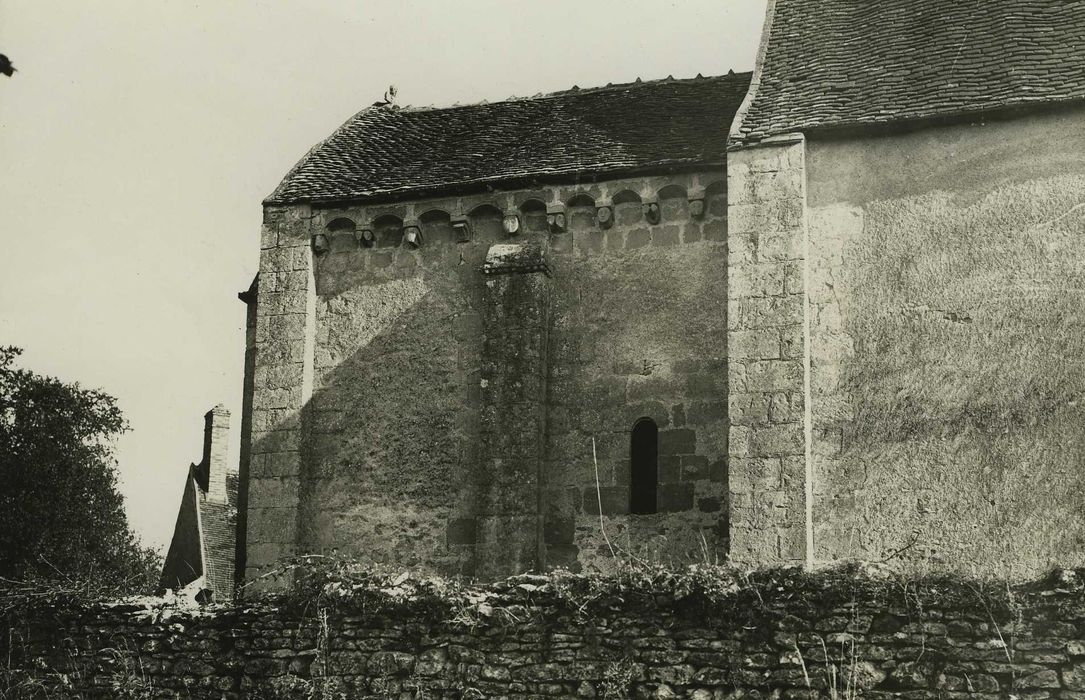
x=139 y=137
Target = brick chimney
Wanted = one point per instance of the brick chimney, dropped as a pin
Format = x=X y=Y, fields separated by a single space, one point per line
x=216 y=433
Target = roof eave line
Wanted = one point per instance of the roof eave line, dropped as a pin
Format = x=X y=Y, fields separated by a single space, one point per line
x=913 y=123
x=468 y=186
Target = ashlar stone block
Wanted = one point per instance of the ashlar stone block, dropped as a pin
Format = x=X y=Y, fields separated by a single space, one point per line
x=767 y=374
x=760 y=344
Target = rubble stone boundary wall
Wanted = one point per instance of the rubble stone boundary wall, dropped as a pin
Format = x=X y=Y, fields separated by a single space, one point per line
x=778 y=637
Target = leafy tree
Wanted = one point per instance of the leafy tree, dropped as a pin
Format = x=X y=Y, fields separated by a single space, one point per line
x=62 y=519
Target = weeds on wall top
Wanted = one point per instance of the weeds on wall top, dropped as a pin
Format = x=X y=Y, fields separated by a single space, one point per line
x=758 y=597
x=705 y=590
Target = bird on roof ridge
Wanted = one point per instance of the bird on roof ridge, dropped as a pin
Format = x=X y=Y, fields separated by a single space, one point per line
x=5 y=66
x=389 y=98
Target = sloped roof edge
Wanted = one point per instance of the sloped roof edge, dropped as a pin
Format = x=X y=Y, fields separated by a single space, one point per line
x=834 y=65
x=733 y=133
x=383 y=152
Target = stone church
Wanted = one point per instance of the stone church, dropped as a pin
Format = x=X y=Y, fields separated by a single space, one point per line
x=828 y=310
x=463 y=315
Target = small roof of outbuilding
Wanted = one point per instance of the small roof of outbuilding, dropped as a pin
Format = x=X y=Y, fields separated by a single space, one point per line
x=218 y=522
x=390 y=152
x=853 y=63
x=204 y=538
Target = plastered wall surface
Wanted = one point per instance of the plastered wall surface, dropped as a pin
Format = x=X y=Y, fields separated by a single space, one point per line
x=946 y=281
x=369 y=406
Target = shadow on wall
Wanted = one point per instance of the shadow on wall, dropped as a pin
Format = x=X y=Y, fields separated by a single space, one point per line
x=640 y=331
x=390 y=432
x=385 y=437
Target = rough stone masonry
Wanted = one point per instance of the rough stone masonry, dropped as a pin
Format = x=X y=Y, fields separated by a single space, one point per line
x=410 y=403
x=410 y=409
x=775 y=634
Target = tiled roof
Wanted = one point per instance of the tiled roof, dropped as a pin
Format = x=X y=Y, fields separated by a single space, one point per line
x=184 y=559
x=219 y=525
x=387 y=152
x=845 y=63
x=204 y=539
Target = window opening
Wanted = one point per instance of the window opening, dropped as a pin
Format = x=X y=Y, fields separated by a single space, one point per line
x=643 y=466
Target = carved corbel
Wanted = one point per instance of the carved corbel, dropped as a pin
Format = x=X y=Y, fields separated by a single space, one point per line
x=604 y=214
x=555 y=217
x=462 y=227
x=511 y=222
x=412 y=235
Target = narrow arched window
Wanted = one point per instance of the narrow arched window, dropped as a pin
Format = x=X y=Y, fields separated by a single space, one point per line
x=643 y=466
